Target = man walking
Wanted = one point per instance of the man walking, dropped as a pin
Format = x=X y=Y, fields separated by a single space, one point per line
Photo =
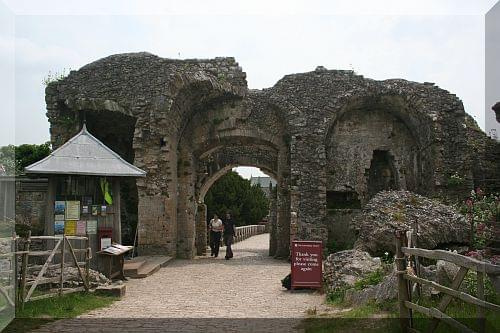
x=229 y=233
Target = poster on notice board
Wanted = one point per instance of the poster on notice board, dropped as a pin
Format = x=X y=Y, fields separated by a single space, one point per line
x=59 y=207
x=92 y=227
x=72 y=210
x=58 y=227
x=70 y=228
x=81 y=228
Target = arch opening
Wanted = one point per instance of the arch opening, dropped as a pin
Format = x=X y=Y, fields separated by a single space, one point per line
x=250 y=200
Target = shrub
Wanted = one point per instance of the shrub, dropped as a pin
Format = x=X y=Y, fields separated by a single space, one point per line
x=371 y=279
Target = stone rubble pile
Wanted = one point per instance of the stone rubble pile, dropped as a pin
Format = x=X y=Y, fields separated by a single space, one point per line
x=388 y=211
x=72 y=277
x=342 y=269
x=385 y=290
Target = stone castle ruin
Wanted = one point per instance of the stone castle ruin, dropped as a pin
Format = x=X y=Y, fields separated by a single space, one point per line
x=330 y=138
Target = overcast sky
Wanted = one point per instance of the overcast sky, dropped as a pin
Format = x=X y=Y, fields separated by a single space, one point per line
x=439 y=41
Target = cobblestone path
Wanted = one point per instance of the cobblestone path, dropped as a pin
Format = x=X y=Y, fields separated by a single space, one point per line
x=206 y=294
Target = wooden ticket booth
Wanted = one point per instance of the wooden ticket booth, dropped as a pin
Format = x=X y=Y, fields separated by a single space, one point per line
x=83 y=196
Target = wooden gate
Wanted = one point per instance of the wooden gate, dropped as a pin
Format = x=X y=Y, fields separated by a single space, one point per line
x=406 y=277
x=62 y=247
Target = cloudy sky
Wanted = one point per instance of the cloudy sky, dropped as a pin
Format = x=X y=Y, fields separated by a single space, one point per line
x=439 y=41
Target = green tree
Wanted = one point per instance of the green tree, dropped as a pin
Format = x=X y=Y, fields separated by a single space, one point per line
x=247 y=203
x=7 y=159
x=16 y=158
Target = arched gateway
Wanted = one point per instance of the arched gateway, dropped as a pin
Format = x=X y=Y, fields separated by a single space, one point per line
x=323 y=135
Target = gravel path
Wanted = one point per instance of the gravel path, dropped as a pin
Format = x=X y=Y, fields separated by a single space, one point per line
x=206 y=294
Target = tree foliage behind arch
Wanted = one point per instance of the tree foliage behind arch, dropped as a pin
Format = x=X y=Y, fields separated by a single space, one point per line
x=247 y=203
x=15 y=158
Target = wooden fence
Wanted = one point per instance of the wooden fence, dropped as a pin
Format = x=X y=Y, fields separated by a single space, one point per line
x=248 y=231
x=7 y=278
x=406 y=278
x=61 y=246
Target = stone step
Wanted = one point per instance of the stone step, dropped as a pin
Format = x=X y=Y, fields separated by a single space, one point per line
x=115 y=290
x=130 y=267
x=144 y=266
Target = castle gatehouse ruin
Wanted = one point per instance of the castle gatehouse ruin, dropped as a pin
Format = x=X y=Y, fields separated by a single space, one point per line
x=330 y=138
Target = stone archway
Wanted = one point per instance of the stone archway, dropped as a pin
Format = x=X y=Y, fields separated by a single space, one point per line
x=217 y=163
x=218 y=137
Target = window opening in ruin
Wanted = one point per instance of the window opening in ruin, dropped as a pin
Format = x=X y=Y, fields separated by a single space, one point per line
x=342 y=200
x=382 y=173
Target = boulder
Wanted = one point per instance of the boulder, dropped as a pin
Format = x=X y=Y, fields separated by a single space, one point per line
x=445 y=272
x=342 y=269
x=385 y=290
x=389 y=211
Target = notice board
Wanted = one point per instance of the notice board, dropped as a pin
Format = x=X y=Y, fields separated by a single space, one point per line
x=307 y=264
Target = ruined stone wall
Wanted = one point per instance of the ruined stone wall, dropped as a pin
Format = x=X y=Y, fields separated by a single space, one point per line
x=350 y=151
x=315 y=132
x=31 y=203
x=486 y=158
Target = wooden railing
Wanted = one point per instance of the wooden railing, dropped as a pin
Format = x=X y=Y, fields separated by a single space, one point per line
x=405 y=278
x=248 y=231
x=59 y=247
x=7 y=277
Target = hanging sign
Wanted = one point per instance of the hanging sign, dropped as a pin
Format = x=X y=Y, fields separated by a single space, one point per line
x=307 y=265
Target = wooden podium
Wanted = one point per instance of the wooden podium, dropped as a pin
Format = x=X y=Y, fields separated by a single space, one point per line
x=112 y=260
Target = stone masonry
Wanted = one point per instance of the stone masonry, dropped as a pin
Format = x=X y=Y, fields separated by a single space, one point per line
x=323 y=134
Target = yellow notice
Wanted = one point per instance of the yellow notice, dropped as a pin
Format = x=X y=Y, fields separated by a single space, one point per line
x=70 y=228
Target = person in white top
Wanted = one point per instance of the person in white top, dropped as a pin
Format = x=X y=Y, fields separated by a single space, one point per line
x=216 y=227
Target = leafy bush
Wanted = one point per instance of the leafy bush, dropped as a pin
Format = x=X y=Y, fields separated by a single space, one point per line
x=482 y=212
x=371 y=279
x=455 y=180
x=336 y=297
x=470 y=284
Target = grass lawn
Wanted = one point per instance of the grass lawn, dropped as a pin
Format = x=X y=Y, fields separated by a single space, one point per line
x=384 y=318
x=39 y=312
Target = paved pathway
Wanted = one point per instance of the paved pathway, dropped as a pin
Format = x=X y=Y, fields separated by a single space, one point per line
x=206 y=294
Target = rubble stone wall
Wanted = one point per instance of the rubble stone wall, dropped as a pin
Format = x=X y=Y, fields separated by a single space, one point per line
x=185 y=122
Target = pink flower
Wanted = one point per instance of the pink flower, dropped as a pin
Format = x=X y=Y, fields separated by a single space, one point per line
x=469 y=202
x=473 y=254
x=495 y=259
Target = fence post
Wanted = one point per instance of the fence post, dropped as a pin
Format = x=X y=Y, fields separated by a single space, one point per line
x=480 y=295
x=404 y=312
x=61 y=278
x=87 y=260
x=25 y=269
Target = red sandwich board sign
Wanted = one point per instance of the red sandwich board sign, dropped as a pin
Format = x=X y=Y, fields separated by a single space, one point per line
x=307 y=264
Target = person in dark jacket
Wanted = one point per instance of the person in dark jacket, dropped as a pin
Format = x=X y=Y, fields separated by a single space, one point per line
x=229 y=233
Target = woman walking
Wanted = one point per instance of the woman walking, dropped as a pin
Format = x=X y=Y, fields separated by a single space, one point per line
x=216 y=228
